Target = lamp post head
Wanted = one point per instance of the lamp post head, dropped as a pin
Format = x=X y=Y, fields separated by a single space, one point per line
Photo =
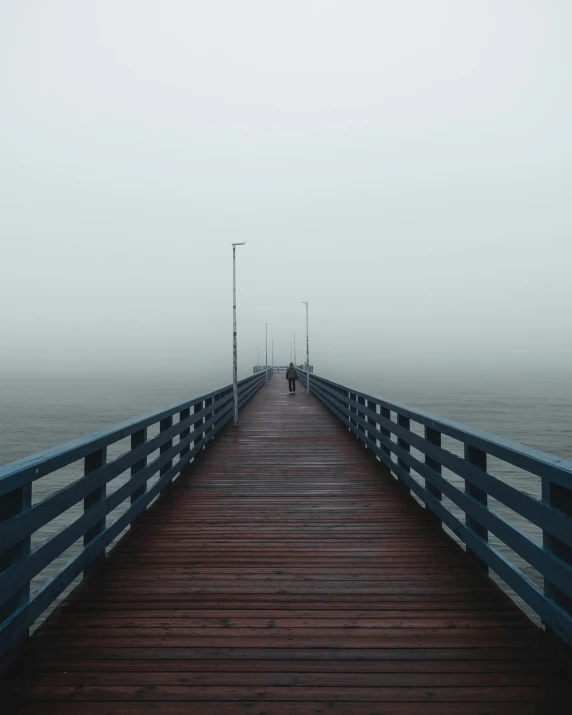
x=239 y=244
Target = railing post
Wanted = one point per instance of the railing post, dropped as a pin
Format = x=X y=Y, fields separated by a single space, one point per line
x=404 y=422
x=196 y=425
x=11 y=504
x=216 y=410
x=137 y=439
x=340 y=402
x=479 y=459
x=208 y=403
x=386 y=413
x=559 y=498
x=164 y=425
x=184 y=415
x=353 y=410
x=92 y=462
x=434 y=437
x=361 y=428
x=372 y=433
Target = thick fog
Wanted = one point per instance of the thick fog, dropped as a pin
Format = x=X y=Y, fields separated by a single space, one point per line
x=405 y=167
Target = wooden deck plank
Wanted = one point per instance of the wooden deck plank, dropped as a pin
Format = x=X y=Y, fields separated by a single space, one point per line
x=249 y=707
x=288 y=573
x=168 y=693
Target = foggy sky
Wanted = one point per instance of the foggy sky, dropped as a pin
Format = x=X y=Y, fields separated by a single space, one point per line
x=406 y=167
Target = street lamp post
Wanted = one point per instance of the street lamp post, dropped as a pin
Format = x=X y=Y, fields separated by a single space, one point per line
x=273 y=355
x=234 y=351
x=294 y=349
x=307 y=350
x=267 y=324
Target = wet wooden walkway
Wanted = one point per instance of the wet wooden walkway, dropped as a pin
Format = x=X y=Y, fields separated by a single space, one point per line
x=288 y=574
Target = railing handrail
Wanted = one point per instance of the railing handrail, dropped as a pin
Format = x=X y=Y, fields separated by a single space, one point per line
x=20 y=518
x=392 y=441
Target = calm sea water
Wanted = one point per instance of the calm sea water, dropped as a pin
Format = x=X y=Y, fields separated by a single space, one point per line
x=37 y=412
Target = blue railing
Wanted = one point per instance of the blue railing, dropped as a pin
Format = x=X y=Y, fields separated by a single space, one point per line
x=464 y=494
x=182 y=431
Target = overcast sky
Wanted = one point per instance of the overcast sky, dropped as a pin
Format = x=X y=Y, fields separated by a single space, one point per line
x=406 y=167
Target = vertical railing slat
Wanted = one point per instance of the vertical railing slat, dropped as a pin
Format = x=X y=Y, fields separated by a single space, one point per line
x=197 y=424
x=209 y=414
x=92 y=462
x=137 y=440
x=12 y=504
x=434 y=437
x=164 y=425
x=559 y=498
x=372 y=433
x=361 y=415
x=216 y=410
x=352 y=410
x=479 y=459
x=404 y=422
x=385 y=413
x=184 y=415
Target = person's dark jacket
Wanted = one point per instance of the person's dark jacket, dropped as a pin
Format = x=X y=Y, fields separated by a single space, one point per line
x=291 y=373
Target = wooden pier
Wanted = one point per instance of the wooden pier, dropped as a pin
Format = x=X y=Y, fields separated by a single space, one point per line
x=288 y=573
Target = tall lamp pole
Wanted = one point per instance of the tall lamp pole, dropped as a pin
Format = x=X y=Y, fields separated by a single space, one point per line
x=272 y=354
x=307 y=350
x=267 y=324
x=234 y=352
x=294 y=349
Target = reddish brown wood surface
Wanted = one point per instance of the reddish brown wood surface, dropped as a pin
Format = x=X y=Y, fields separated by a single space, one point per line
x=288 y=573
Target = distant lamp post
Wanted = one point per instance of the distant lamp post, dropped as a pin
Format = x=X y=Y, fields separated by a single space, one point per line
x=273 y=355
x=267 y=324
x=294 y=349
x=234 y=351
x=305 y=302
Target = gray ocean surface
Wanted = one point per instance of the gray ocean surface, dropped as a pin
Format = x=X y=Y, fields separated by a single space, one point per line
x=38 y=412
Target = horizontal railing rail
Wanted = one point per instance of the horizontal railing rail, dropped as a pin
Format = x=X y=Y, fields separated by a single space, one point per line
x=279 y=368
x=147 y=466
x=387 y=428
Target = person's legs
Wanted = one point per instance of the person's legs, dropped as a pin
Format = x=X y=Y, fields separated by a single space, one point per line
x=293 y=385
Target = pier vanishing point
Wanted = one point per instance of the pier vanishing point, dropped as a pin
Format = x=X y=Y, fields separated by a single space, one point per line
x=335 y=553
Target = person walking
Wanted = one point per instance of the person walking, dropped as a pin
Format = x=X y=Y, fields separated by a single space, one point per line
x=291 y=376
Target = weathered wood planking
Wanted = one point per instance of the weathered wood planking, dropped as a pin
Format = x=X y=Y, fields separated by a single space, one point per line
x=288 y=573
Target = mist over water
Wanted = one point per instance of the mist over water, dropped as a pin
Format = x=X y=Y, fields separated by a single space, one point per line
x=403 y=167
